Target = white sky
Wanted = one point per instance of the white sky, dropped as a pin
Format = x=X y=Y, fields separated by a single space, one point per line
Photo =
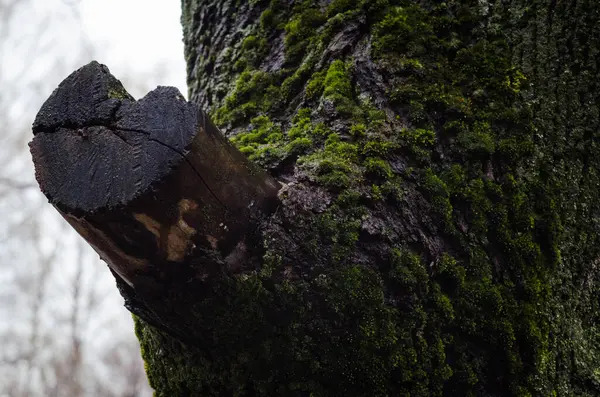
x=134 y=38
x=139 y=35
x=141 y=43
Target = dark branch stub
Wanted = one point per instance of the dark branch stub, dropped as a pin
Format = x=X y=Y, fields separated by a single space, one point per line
x=91 y=135
x=151 y=184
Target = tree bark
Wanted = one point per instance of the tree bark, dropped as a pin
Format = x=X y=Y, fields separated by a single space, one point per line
x=435 y=230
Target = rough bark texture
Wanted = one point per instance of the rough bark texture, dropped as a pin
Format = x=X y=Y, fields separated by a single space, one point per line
x=437 y=233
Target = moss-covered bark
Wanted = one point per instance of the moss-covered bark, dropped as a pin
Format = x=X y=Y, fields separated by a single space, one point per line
x=437 y=233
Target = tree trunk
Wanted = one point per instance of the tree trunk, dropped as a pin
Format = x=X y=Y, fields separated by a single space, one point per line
x=435 y=230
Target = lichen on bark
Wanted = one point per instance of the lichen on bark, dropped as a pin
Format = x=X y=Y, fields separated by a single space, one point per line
x=436 y=233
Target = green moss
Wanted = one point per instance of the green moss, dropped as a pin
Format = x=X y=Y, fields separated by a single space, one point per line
x=254 y=92
x=117 y=91
x=392 y=189
x=479 y=141
x=268 y=19
x=266 y=143
x=376 y=147
x=321 y=130
x=418 y=137
x=302 y=117
x=376 y=193
x=417 y=113
x=403 y=30
x=300 y=29
x=378 y=168
x=314 y=88
x=250 y=42
x=263 y=129
x=340 y=6
x=332 y=172
x=338 y=87
x=294 y=83
x=440 y=197
x=408 y=270
x=299 y=146
x=358 y=130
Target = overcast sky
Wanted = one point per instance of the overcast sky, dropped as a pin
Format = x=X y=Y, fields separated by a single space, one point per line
x=139 y=34
x=41 y=42
x=132 y=37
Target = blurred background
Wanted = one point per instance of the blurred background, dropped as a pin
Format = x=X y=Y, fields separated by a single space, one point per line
x=63 y=328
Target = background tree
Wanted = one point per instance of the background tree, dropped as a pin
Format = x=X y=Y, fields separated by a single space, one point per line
x=436 y=227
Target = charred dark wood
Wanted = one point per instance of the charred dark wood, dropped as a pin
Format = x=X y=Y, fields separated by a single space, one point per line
x=153 y=186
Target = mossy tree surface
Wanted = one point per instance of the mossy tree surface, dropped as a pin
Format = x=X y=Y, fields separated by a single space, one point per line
x=437 y=233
